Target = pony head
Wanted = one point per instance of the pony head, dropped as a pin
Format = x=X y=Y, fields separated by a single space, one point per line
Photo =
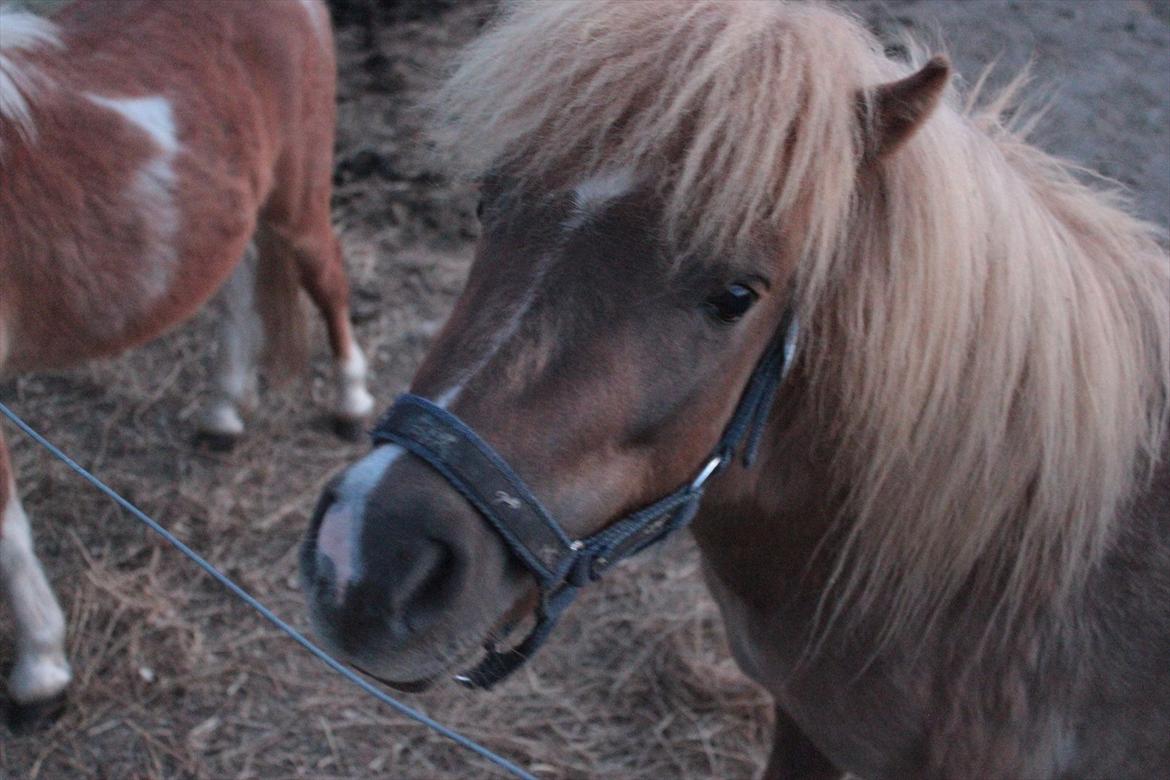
x=661 y=182
x=652 y=176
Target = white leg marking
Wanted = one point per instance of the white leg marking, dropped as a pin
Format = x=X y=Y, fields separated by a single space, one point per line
x=354 y=401
x=240 y=337
x=41 y=670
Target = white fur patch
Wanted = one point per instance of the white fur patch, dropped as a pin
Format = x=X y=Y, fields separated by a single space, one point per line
x=41 y=670
x=320 y=19
x=447 y=396
x=153 y=194
x=362 y=476
x=591 y=196
x=499 y=338
x=21 y=31
x=222 y=418
x=350 y=506
x=240 y=335
x=152 y=114
x=338 y=542
x=354 y=400
x=354 y=490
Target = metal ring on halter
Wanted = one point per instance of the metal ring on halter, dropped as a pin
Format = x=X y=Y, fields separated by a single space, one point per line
x=708 y=471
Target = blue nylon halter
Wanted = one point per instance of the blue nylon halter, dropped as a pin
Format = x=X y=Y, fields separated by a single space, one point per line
x=560 y=564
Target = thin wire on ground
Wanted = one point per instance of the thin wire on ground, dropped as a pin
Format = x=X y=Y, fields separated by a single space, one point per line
x=264 y=611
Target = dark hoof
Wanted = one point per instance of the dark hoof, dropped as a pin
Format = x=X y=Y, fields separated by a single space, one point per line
x=35 y=716
x=349 y=430
x=216 y=442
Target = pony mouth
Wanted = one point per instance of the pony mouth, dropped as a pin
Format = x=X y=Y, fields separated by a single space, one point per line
x=404 y=686
x=459 y=664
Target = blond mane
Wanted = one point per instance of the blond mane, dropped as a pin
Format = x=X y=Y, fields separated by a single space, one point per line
x=21 y=32
x=988 y=339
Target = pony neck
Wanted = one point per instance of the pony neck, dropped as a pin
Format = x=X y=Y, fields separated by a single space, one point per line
x=985 y=383
x=765 y=530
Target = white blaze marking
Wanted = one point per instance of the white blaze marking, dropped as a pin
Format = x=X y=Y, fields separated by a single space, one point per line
x=353 y=493
x=500 y=338
x=336 y=541
x=361 y=477
x=591 y=196
x=447 y=396
x=341 y=544
x=22 y=31
x=41 y=670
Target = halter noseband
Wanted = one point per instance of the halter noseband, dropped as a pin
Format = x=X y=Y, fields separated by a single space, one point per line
x=563 y=565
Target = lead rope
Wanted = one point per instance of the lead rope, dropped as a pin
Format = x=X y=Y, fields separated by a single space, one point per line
x=264 y=611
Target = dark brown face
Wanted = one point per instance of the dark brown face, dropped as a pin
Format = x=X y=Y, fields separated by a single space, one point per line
x=599 y=366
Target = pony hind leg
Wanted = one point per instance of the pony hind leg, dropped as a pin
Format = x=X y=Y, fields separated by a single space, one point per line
x=234 y=376
x=322 y=275
x=41 y=673
x=794 y=757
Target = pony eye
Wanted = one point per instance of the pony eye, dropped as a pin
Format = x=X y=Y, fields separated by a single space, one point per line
x=479 y=210
x=730 y=304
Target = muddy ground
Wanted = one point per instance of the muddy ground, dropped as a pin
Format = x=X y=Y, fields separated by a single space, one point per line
x=175 y=680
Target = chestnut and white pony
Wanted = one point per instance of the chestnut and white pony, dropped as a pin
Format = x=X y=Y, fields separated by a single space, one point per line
x=952 y=557
x=146 y=146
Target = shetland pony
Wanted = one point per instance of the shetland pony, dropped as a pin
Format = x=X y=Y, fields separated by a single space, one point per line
x=952 y=556
x=144 y=145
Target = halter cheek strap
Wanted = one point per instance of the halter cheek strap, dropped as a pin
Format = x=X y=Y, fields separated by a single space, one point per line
x=560 y=564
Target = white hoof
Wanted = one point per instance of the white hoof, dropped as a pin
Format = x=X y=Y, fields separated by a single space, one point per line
x=356 y=403
x=37 y=678
x=222 y=419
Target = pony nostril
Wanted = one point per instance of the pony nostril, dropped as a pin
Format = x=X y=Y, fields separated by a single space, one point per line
x=429 y=586
x=378 y=574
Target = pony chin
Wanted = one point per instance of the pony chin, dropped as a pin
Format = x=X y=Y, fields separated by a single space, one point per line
x=401 y=670
x=411 y=671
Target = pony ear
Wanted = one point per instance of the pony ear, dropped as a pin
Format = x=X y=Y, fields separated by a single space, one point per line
x=899 y=108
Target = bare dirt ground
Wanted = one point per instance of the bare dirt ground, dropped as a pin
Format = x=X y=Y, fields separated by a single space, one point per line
x=175 y=680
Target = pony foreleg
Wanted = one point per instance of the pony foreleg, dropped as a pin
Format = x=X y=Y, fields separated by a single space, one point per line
x=794 y=757
x=234 y=377
x=41 y=673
